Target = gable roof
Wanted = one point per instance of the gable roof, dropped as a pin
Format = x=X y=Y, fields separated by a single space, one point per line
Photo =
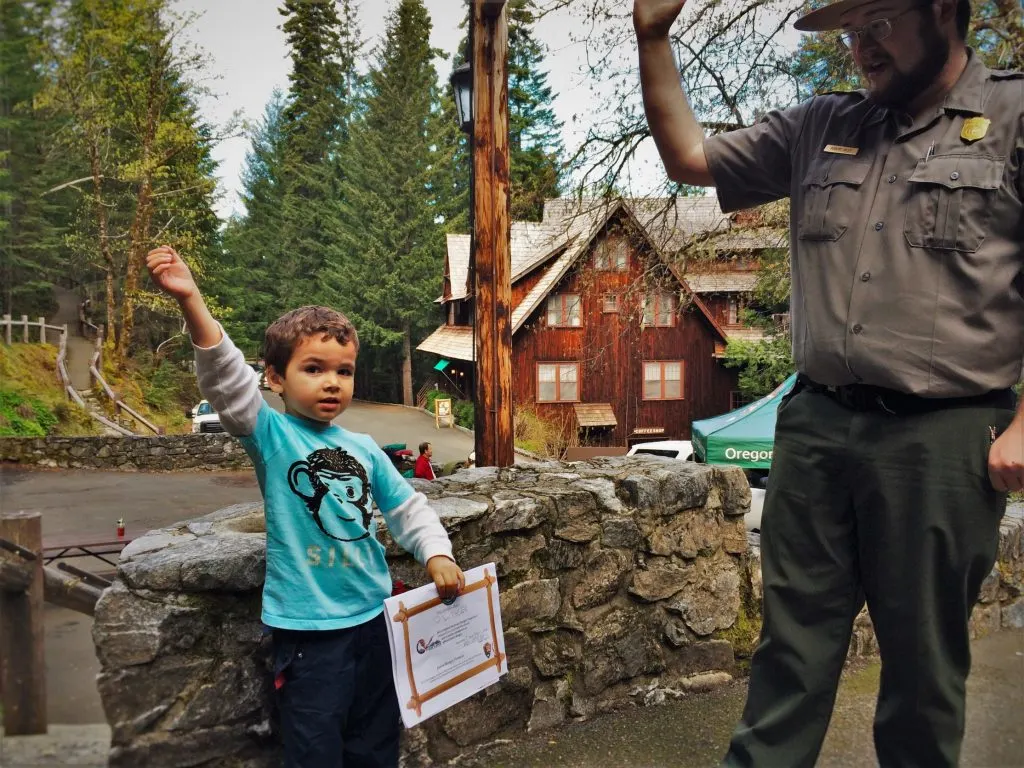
x=583 y=225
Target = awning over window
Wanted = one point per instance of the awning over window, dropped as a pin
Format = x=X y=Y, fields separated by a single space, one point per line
x=595 y=415
x=441 y=364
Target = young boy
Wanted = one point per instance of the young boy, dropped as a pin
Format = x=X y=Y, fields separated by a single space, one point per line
x=326 y=573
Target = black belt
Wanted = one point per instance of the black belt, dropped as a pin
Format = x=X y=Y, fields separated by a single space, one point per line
x=864 y=397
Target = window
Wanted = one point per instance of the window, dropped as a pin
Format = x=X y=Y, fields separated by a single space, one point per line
x=558 y=382
x=660 y=309
x=732 y=313
x=663 y=380
x=611 y=255
x=564 y=310
x=610 y=303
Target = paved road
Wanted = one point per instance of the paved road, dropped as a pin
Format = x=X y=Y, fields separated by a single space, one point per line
x=387 y=423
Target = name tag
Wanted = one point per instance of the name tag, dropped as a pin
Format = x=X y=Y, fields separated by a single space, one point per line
x=837 y=149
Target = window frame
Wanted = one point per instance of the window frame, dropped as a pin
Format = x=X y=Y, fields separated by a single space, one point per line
x=558 y=365
x=657 y=296
x=603 y=254
x=663 y=380
x=564 y=314
x=617 y=298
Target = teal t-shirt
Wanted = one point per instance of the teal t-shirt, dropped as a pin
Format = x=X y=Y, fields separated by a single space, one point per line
x=325 y=567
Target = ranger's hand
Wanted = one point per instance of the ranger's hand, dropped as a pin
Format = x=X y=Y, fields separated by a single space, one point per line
x=1006 y=458
x=652 y=19
x=170 y=273
x=447 y=576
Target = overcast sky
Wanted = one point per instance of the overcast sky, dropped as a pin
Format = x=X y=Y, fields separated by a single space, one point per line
x=248 y=58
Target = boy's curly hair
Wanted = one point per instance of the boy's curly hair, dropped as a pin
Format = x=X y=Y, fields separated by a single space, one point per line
x=285 y=333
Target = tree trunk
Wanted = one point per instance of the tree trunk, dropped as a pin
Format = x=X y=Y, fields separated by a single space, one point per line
x=138 y=243
x=407 y=366
x=101 y=226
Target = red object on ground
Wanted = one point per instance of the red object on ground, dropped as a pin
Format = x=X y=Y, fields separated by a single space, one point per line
x=120 y=528
x=398 y=587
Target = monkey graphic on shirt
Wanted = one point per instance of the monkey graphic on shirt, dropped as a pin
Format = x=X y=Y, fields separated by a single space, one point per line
x=334 y=471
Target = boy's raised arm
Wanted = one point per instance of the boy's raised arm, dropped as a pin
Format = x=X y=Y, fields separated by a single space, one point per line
x=224 y=378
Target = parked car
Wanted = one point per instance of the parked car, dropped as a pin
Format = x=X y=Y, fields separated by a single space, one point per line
x=204 y=419
x=682 y=450
x=670 y=449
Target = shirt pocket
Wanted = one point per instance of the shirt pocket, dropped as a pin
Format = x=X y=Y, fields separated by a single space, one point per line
x=950 y=201
x=832 y=191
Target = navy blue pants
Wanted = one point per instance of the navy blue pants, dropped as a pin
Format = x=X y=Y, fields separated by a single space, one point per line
x=336 y=697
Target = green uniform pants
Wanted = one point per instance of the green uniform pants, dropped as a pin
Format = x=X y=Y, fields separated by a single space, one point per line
x=895 y=510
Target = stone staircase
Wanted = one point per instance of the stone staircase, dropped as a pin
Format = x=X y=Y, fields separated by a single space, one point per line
x=92 y=404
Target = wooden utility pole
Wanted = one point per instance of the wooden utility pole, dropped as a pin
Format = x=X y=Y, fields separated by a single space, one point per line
x=22 y=664
x=491 y=249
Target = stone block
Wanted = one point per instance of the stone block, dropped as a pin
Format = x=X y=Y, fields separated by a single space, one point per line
x=620 y=532
x=734 y=490
x=560 y=555
x=661 y=579
x=539 y=599
x=515 y=515
x=1013 y=615
x=557 y=653
x=710 y=600
x=604 y=492
x=600 y=581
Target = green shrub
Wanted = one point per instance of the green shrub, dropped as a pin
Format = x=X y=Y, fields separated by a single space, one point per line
x=22 y=416
x=463 y=409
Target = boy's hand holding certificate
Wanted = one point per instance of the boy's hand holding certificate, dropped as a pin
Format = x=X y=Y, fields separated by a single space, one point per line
x=442 y=654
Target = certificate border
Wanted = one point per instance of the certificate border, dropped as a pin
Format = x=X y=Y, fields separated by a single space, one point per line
x=404 y=614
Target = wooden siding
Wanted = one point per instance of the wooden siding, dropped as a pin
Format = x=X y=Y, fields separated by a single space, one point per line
x=611 y=348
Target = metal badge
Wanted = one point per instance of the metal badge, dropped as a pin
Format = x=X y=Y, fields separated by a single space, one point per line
x=975 y=128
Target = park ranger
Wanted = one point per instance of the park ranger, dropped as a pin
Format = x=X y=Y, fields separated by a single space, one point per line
x=896 y=449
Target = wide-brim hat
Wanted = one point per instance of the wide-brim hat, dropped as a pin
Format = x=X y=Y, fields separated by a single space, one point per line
x=827 y=16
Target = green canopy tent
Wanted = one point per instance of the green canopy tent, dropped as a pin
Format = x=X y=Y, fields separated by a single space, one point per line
x=744 y=437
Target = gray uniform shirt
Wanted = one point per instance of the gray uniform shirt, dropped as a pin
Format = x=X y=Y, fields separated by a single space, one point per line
x=907 y=239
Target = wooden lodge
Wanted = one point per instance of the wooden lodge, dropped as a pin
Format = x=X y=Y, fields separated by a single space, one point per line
x=614 y=338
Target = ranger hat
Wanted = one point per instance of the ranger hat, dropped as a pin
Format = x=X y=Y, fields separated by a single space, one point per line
x=827 y=16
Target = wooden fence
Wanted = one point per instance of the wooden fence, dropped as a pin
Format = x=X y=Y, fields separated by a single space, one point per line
x=23 y=325
x=38 y=333
x=25 y=583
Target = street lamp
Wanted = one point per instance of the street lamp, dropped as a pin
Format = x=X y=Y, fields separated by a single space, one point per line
x=462 y=86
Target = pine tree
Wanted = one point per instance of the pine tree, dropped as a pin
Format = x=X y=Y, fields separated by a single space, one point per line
x=30 y=221
x=324 y=47
x=387 y=271
x=535 y=144
x=244 y=279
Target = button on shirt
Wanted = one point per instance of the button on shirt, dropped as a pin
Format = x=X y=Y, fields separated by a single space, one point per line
x=907 y=240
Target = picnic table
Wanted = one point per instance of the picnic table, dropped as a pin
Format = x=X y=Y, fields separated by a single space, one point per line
x=59 y=547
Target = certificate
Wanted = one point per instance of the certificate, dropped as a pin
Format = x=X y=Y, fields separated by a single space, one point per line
x=442 y=654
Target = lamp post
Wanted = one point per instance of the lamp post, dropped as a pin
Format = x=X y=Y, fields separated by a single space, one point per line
x=481 y=100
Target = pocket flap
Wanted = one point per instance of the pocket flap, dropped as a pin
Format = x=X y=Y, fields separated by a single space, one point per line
x=956 y=171
x=841 y=170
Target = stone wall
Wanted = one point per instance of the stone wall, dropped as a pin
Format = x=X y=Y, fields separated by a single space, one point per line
x=160 y=453
x=622 y=580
